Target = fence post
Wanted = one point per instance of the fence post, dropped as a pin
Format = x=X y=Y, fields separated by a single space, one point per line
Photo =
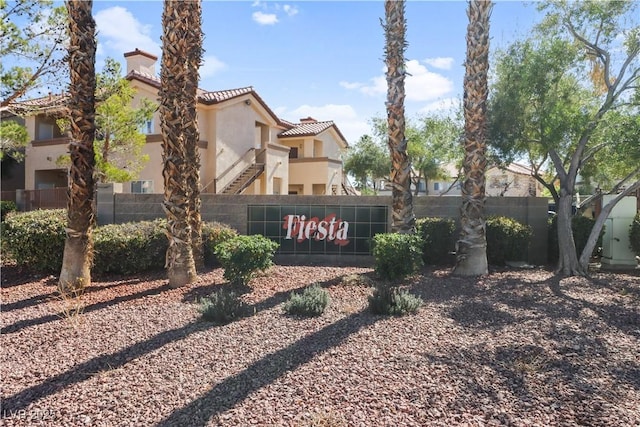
x=105 y=200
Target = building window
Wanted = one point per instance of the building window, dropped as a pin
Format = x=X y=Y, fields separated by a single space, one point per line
x=147 y=127
x=436 y=186
x=45 y=131
x=293 y=153
x=142 y=187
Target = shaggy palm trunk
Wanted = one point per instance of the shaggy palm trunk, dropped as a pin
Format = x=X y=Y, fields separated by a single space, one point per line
x=174 y=118
x=403 y=220
x=78 y=247
x=471 y=248
x=192 y=136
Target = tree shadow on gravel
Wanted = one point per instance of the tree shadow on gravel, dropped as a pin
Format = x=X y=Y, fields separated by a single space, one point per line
x=83 y=371
x=474 y=314
x=25 y=323
x=43 y=298
x=233 y=390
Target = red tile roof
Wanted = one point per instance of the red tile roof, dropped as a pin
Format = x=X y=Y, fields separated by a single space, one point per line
x=309 y=128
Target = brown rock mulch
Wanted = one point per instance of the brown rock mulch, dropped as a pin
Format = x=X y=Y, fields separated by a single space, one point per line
x=515 y=347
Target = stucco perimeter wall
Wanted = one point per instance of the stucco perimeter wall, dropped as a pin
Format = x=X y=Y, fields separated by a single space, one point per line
x=232 y=210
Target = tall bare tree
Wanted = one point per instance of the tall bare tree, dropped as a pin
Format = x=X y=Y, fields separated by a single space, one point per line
x=471 y=247
x=78 y=248
x=193 y=58
x=174 y=119
x=395 y=28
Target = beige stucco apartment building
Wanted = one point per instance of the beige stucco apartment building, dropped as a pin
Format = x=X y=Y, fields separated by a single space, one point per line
x=244 y=147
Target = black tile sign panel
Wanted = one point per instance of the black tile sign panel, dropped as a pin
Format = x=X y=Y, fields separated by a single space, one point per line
x=318 y=229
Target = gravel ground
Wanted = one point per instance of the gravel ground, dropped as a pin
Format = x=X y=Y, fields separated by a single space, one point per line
x=515 y=347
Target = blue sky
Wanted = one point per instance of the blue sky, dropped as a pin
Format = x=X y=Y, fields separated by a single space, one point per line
x=318 y=58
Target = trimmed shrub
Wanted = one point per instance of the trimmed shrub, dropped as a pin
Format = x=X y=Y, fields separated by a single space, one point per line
x=7 y=206
x=36 y=239
x=389 y=300
x=634 y=234
x=130 y=248
x=242 y=257
x=437 y=239
x=214 y=233
x=223 y=307
x=397 y=255
x=507 y=240
x=311 y=302
x=581 y=226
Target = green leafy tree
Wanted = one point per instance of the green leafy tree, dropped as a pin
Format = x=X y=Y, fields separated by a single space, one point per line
x=13 y=137
x=568 y=98
x=368 y=162
x=119 y=142
x=32 y=47
x=432 y=143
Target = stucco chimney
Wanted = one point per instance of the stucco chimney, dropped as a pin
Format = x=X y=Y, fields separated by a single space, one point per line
x=308 y=120
x=141 y=61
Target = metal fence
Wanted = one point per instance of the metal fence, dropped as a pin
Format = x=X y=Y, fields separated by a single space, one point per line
x=30 y=200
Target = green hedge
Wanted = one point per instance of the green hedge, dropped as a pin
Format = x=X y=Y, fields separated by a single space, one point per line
x=36 y=240
x=437 y=239
x=214 y=233
x=130 y=248
x=397 y=255
x=7 y=206
x=634 y=234
x=507 y=240
x=581 y=226
x=242 y=257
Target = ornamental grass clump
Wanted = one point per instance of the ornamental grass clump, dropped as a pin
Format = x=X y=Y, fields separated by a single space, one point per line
x=389 y=300
x=223 y=307
x=311 y=302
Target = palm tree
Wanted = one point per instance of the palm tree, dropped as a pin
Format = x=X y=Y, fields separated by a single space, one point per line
x=78 y=247
x=193 y=56
x=174 y=119
x=402 y=200
x=471 y=248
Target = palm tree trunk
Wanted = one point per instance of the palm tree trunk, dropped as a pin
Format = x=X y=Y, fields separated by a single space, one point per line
x=174 y=117
x=192 y=136
x=78 y=247
x=471 y=248
x=403 y=220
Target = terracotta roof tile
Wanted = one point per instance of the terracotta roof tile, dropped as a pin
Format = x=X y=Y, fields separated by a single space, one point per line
x=307 y=129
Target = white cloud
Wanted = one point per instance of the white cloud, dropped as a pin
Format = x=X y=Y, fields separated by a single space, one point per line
x=119 y=32
x=444 y=63
x=264 y=18
x=348 y=85
x=344 y=116
x=290 y=10
x=211 y=66
x=444 y=105
x=420 y=84
x=423 y=85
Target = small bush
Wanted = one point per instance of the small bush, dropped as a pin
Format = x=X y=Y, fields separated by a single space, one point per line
x=311 y=302
x=634 y=234
x=242 y=257
x=396 y=255
x=390 y=300
x=7 y=206
x=437 y=239
x=507 y=240
x=223 y=307
x=214 y=233
x=581 y=226
x=130 y=248
x=36 y=239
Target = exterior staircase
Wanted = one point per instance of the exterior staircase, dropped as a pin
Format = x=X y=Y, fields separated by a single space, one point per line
x=244 y=179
